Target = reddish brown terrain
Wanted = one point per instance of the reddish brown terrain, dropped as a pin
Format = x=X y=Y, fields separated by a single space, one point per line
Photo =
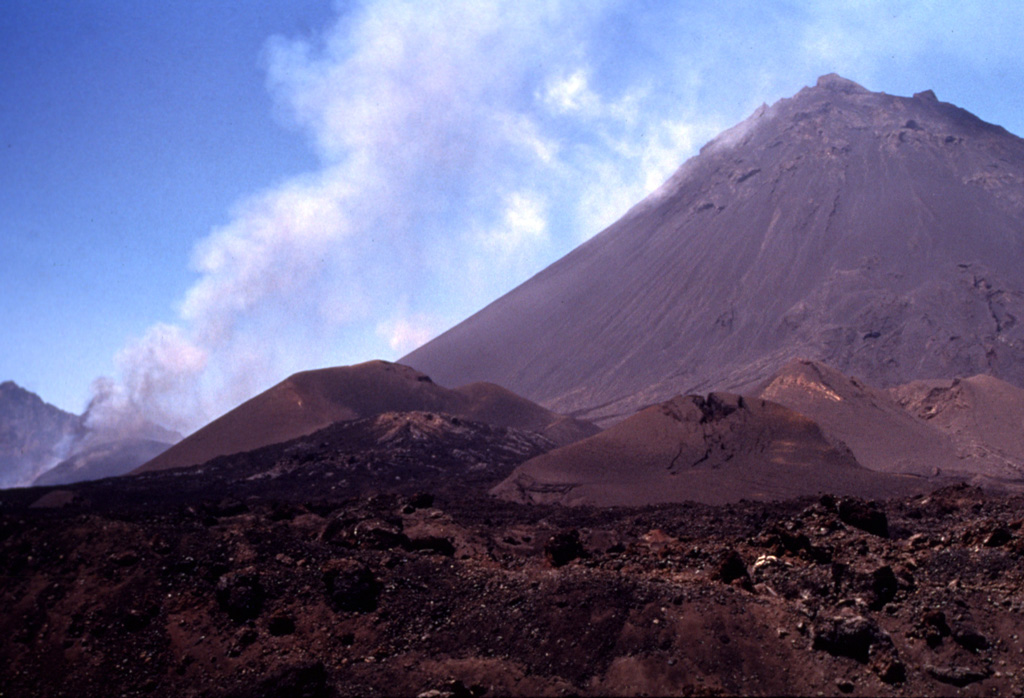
x=972 y=428
x=318 y=569
x=718 y=449
x=881 y=434
x=982 y=416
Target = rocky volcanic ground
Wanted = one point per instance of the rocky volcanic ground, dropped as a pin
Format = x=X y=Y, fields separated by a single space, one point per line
x=235 y=581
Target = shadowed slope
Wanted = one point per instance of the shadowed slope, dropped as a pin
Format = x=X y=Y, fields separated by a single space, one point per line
x=312 y=400
x=715 y=450
x=100 y=460
x=880 y=234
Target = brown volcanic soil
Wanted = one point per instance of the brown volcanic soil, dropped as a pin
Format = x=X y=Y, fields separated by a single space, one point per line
x=982 y=416
x=971 y=428
x=312 y=400
x=187 y=583
x=715 y=450
x=877 y=233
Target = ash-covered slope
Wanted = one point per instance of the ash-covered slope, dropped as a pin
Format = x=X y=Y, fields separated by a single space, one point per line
x=34 y=435
x=971 y=428
x=880 y=234
x=312 y=400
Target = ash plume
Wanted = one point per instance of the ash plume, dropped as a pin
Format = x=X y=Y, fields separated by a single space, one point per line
x=434 y=124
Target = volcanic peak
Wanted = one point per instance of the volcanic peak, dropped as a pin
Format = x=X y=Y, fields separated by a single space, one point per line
x=873 y=232
x=837 y=83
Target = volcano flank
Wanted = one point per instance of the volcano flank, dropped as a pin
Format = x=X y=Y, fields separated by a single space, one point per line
x=879 y=234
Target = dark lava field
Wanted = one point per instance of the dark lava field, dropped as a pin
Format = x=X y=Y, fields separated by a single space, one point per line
x=345 y=577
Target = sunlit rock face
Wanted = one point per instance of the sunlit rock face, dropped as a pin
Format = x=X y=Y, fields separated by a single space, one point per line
x=879 y=234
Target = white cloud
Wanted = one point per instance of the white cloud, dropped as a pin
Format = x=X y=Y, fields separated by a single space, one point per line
x=571 y=94
x=422 y=115
x=523 y=225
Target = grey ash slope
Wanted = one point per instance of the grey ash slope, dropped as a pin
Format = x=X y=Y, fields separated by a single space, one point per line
x=880 y=234
x=981 y=416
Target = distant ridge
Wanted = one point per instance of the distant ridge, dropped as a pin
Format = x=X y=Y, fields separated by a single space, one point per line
x=879 y=234
x=972 y=428
x=982 y=416
x=34 y=435
x=881 y=435
x=101 y=459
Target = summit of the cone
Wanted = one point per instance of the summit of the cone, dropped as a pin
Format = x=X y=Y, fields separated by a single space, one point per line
x=838 y=83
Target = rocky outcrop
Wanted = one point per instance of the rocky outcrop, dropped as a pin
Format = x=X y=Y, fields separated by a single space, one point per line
x=327 y=593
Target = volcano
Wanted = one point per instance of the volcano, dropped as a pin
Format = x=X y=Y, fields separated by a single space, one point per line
x=879 y=234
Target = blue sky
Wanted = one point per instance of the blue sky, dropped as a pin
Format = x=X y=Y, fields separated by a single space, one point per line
x=197 y=198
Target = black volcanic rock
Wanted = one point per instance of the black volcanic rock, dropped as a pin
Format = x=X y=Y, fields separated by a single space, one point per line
x=402 y=452
x=132 y=592
x=880 y=234
x=34 y=435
